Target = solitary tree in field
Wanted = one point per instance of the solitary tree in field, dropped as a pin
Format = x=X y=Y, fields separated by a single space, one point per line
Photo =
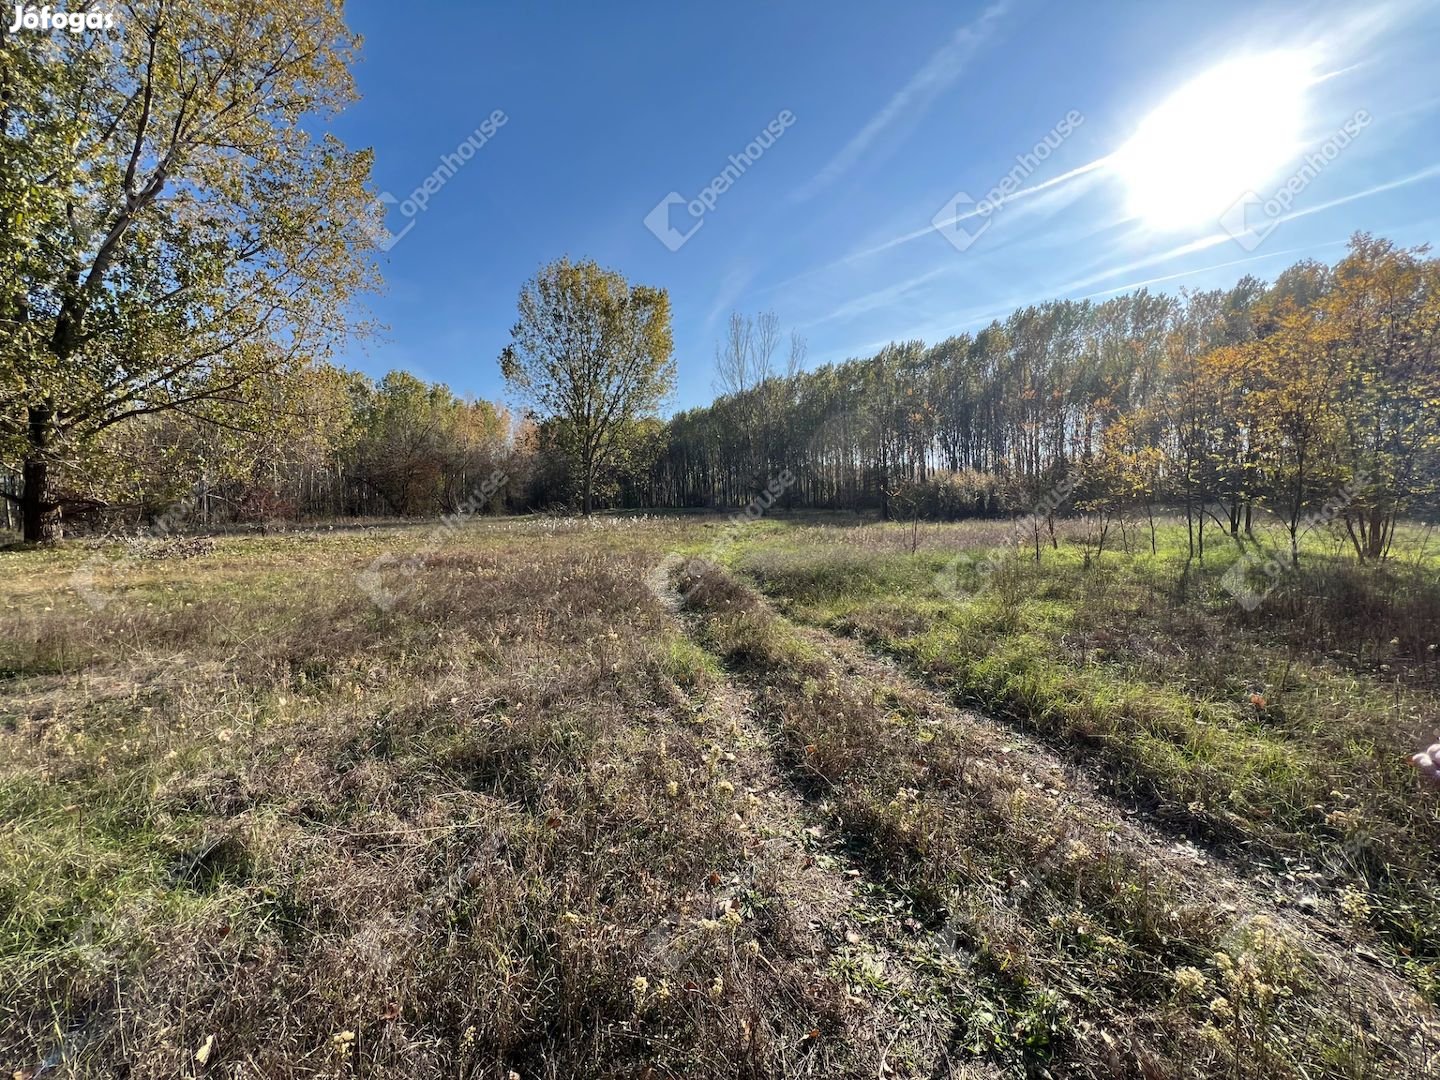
x=1301 y=374
x=170 y=233
x=593 y=350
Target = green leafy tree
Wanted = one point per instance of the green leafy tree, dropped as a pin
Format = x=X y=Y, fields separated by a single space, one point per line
x=174 y=231
x=594 y=351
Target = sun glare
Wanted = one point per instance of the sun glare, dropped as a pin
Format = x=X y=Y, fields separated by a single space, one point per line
x=1223 y=134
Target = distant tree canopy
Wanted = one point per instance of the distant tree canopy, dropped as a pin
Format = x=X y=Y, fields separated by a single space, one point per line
x=171 y=233
x=595 y=352
x=420 y=449
x=332 y=444
x=1226 y=402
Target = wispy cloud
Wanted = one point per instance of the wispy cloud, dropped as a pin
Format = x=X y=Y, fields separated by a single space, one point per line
x=1130 y=286
x=994 y=205
x=911 y=101
x=975 y=318
x=1059 y=191
x=937 y=330
x=879 y=298
x=732 y=286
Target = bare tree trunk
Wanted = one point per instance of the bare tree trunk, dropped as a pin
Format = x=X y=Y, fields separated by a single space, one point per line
x=1354 y=538
x=587 y=479
x=1190 y=526
x=1296 y=505
x=1378 y=532
x=38 y=524
x=37 y=508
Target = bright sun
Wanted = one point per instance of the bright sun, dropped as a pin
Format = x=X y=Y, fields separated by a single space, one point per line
x=1214 y=139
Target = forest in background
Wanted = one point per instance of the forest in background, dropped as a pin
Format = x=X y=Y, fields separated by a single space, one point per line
x=1273 y=398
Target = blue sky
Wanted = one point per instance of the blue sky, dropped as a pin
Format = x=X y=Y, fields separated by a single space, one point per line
x=895 y=109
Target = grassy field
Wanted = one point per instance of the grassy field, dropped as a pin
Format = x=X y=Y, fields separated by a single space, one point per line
x=652 y=797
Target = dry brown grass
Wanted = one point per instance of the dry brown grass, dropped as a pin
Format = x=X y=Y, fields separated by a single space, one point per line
x=1281 y=735
x=323 y=840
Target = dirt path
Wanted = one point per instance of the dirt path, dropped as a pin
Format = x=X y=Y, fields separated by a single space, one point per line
x=1356 y=977
x=848 y=922
x=1000 y=745
x=1351 y=962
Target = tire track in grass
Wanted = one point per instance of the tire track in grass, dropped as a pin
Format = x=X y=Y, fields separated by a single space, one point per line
x=1351 y=980
x=1070 y=781
x=854 y=926
x=1346 y=958
x=1159 y=825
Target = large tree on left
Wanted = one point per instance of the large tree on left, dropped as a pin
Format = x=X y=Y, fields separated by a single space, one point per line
x=175 y=225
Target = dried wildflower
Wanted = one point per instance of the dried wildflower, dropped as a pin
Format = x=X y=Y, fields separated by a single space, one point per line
x=1190 y=980
x=1355 y=904
x=1078 y=852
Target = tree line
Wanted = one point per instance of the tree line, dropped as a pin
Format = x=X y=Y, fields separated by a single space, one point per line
x=183 y=248
x=1262 y=398
x=1275 y=399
